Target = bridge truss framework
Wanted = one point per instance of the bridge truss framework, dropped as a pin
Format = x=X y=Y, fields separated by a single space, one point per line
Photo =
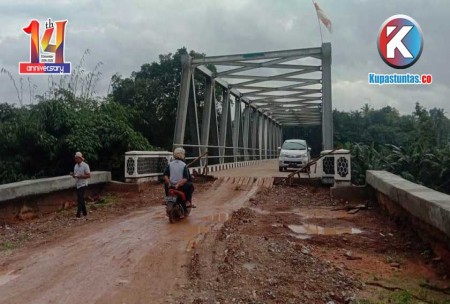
x=247 y=100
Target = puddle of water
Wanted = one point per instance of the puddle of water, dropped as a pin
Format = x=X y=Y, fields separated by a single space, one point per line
x=195 y=230
x=310 y=229
x=249 y=266
x=219 y=218
x=307 y=213
x=300 y=236
x=266 y=212
x=5 y=278
x=323 y=213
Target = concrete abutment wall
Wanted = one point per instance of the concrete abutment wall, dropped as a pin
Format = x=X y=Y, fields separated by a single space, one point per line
x=31 y=198
x=425 y=210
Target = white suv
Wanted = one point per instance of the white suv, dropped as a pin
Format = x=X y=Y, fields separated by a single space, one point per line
x=294 y=153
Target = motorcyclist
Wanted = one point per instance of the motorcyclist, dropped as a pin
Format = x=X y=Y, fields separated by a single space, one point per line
x=177 y=175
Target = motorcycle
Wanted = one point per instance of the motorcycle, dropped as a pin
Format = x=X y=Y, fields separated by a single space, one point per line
x=176 y=208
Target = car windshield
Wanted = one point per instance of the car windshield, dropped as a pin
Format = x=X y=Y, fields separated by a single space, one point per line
x=294 y=146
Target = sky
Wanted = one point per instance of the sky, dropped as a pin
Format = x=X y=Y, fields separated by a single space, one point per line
x=123 y=35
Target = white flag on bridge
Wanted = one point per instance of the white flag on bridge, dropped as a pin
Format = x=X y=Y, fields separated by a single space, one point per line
x=321 y=15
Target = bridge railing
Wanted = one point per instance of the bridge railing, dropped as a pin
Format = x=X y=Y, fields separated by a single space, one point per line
x=229 y=153
x=141 y=166
x=145 y=165
x=333 y=167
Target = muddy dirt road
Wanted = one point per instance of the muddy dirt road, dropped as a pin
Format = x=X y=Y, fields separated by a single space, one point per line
x=136 y=258
x=292 y=245
x=244 y=244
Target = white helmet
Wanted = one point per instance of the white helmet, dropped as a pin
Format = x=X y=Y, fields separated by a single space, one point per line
x=179 y=153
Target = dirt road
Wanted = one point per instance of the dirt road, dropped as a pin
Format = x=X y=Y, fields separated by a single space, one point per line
x=137 y=258
x=244 y=244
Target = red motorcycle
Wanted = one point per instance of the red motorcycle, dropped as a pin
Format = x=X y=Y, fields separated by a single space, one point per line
x=176 y=208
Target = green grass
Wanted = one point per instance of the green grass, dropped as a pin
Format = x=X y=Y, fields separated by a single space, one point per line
x=363 y=301
x=395 y=258
x=401 y=297
x=65 y=212
x=106 y=200
x=8 y=245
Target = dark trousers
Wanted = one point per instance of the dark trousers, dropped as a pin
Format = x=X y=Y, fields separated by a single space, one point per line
x=81 y=204
x=187 y=188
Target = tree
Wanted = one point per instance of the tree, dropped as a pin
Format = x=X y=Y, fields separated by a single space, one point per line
x=153 y=93
x=40 y=140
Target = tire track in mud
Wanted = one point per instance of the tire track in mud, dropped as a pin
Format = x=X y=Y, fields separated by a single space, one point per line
x=162 y=274
x=136 y=258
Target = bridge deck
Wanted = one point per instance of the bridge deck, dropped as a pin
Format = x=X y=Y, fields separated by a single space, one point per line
x=265 y=169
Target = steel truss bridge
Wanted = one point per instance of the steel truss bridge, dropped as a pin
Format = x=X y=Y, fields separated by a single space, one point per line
x=249 y=98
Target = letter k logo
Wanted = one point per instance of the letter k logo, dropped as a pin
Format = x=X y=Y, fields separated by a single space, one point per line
x=400 y=41
x=396 y=42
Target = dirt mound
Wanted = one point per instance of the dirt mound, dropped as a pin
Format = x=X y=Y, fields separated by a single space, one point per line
x=289 y=246
x=241 y=216
x=250 y=266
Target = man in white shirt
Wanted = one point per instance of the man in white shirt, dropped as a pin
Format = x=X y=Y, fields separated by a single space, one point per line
x=81 y=173
x=177 y=175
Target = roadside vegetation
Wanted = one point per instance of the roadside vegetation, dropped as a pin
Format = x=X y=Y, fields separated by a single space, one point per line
x=415 y=146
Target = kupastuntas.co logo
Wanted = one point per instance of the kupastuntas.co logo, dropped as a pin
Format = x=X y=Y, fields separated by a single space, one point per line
x=400 y=44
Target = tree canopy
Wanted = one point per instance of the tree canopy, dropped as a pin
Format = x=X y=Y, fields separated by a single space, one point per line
x=415 y=146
